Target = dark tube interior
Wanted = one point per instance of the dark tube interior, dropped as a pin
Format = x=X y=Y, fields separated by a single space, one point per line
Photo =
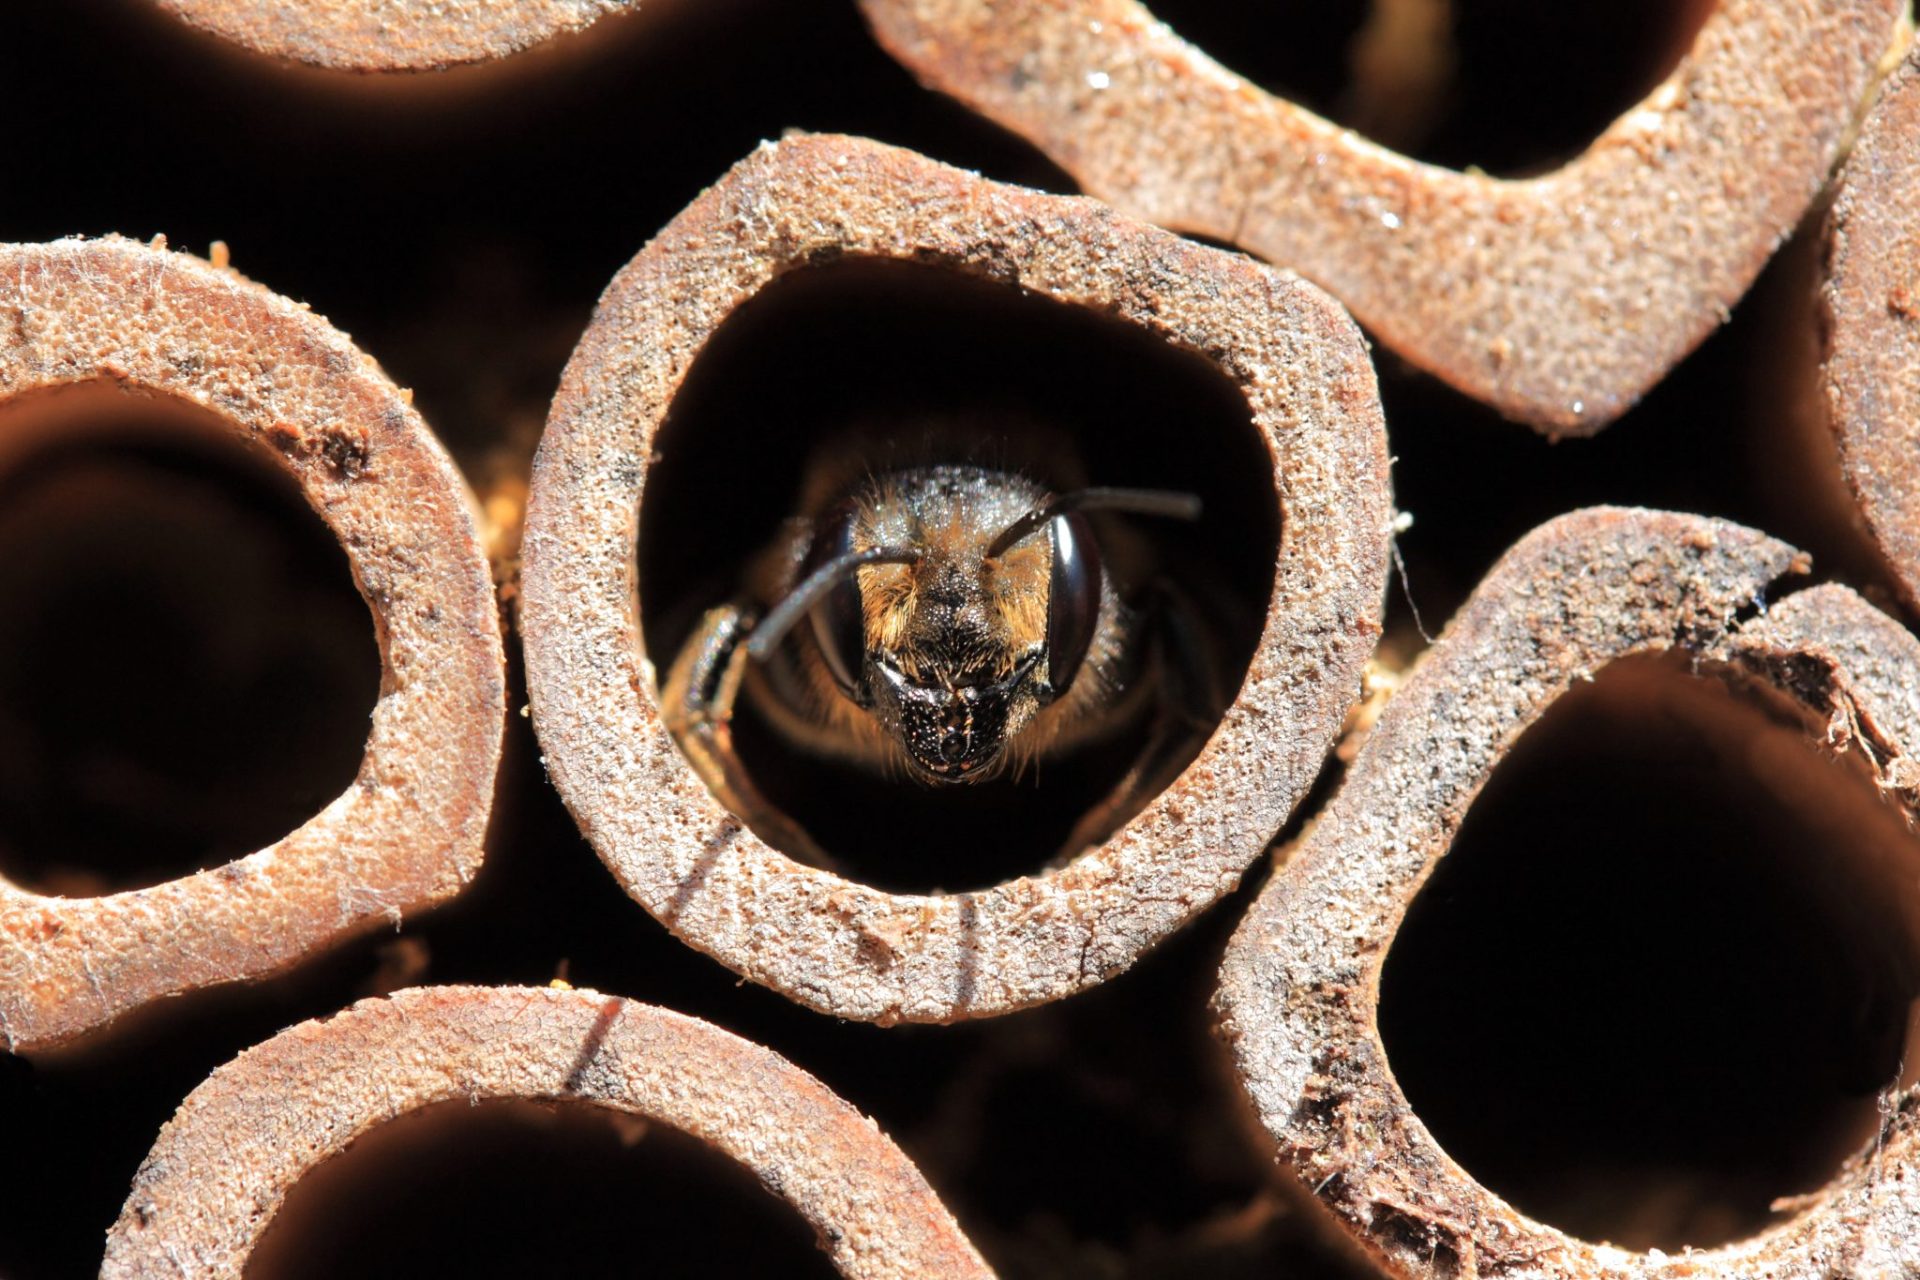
x=899 y=353
x=186 y=667
x=1512 y=87
x=519 y=1189
x=1655 y=988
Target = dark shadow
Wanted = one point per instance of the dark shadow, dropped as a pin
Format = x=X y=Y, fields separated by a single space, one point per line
x=1297 y=49
x=186 y=668
x=1665 y=969
x=904 y=354
x=696 y=878
x=1513 y=86
x=1709 y=438
x=519 y=1189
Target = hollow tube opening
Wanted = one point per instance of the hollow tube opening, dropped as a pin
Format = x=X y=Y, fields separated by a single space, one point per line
x=1511 y=87
x=1654 y=991
x=509 y=1188
x=924 y=363
x=187 y=669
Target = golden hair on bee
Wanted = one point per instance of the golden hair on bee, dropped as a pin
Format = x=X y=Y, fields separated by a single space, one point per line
x=959 y=620
x=955 y=613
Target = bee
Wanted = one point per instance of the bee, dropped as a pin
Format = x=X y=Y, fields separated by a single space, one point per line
x=949 y=623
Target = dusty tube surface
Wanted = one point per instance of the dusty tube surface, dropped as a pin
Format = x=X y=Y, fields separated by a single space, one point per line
x=1559 y=300
x=823 y=939
x=1871 y=305
x=382 y=36
x=226 y=1161
x=1300 y=993
x=121 y=318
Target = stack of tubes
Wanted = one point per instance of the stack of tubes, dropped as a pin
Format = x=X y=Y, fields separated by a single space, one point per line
x=409 y=863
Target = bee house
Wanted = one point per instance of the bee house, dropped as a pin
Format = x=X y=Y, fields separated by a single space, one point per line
x=1559 y=298
x=125 y=322
x=831 y=941
x=1063 y=639
x=1367 y=1006
x=201 y=1191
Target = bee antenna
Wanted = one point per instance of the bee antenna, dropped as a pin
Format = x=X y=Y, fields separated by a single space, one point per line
x=1144 y=502
x=781 y=618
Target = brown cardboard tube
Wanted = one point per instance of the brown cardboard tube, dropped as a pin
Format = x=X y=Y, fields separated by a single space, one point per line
x=382 y=36
x=225 y=1163
x=1316 y=457
x=1659 y=626
x=115 y=318
x=1559 y=300
x=1871 y=305
x=186 y=666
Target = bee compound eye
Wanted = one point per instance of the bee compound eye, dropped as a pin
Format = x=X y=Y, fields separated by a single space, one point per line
x=1073 y=599
x=838 y=621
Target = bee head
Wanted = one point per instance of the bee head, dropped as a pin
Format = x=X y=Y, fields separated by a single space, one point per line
x=953 y=604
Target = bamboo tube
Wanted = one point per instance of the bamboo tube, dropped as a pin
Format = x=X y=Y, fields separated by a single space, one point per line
x=1559 y=300
x=1871 y=301
x=1300 y=991
x=121 y=318
x=225 y=1163
x=383 y=36
x=827 y=941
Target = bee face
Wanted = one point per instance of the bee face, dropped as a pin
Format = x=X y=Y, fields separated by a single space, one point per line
x=956 y=652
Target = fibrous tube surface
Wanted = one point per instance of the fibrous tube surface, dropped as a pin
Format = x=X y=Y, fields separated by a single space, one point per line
x=391 y=35
x=831 y=943
x=1872 y=312
x=224 y=1164
x=1300 y=994
x=113 y=316
x=1559 y=300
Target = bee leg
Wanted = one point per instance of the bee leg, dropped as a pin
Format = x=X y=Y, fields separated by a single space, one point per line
x=1188 y=705
x=1193 y=694
x=697 y=705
